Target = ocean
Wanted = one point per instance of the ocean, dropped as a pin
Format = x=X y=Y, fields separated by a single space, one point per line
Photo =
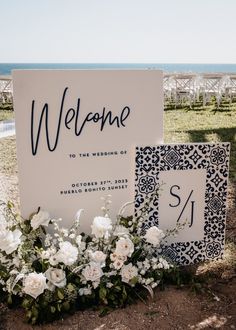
x=5 y=68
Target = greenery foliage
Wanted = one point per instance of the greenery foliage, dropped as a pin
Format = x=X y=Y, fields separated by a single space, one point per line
x=49 y=274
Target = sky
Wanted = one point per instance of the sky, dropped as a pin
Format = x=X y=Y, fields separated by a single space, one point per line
x=118 y=31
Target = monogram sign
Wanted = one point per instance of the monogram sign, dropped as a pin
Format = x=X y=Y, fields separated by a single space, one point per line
x=191 y=180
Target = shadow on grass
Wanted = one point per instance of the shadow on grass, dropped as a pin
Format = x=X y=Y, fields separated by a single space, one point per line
x=224 y=135
x=222 y=109
x=225 y=106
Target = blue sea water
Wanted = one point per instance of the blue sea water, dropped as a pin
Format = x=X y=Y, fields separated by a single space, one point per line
x=5 y=68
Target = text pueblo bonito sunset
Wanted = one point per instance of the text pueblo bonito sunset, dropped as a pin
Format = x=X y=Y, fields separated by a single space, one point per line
x=104 y=118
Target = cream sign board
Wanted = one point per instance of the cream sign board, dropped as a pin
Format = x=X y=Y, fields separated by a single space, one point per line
x=76 y=134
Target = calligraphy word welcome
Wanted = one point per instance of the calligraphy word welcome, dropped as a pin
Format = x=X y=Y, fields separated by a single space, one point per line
x=72 y=118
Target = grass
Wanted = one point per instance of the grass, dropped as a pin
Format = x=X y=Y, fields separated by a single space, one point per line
x=203 y=125
x=6 y=112
x=207 y=124
x=223 y=267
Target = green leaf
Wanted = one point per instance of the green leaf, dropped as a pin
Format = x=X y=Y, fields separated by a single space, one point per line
x=35 y=312
x=53 y=309
x=60 y=294
x=9 y=299
x=10 y=204
x=134 y=280
x=104 y=311
x=44 y=303
x=136 y=240
x=118 y=288
x=28 y=315
x=17 y=288
x=124 y=294
x=102 y=293
x=70 y=287
x=66 y=306
x=26 y=303
x=112 y=297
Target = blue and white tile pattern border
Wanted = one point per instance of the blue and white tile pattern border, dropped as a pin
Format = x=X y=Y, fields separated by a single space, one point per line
x=214 y=158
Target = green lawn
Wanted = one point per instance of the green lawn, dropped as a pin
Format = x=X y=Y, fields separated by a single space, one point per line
x=182 y=125
x=6 y=112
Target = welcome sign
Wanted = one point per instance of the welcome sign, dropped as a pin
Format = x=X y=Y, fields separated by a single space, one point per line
x=76 y=131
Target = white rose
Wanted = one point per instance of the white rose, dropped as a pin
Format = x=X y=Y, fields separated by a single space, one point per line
x=154 y=236
x=118 y=263
x=113 y=256
x=92 y=272
x=56 y=276
x=121 y=231
x=101 y=227
x=9 y=240
x=118 y=260
x=99 y=257
x=95 y=284
x=124 y=247
x=128 y=272
x=67 y=254
x=42 y=218
x=35 y=284
x=53 y=260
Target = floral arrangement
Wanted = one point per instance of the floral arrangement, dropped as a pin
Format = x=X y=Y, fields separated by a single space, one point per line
x=61 y=270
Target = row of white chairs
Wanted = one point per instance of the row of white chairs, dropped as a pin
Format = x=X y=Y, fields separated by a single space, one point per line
x=5 y=89
x=178 y=88
x=190 y=88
